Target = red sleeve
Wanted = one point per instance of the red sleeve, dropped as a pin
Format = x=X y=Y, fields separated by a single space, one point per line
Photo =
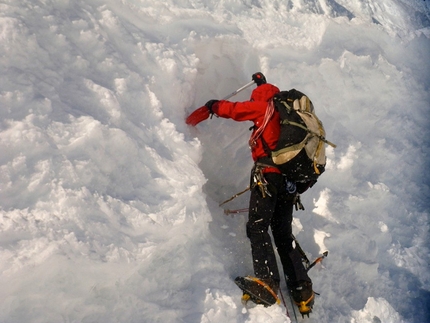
x=240 y=111
x=251 y=111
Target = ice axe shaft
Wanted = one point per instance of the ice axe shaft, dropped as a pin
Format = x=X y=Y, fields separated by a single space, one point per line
x=238 y=90
x=203 y=113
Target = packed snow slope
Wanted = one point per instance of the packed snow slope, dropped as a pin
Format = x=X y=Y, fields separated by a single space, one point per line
x=109 y=202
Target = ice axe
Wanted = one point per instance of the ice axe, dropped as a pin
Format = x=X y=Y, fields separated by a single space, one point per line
x=238 y=90
x=203 y=113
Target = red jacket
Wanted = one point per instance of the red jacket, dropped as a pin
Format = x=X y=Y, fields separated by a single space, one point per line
x=254 y=110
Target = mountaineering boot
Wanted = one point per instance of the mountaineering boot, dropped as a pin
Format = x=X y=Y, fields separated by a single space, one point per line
x=258 y=290
x=303 y=296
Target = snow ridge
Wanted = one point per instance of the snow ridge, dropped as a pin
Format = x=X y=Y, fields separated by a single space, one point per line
x=109 y=202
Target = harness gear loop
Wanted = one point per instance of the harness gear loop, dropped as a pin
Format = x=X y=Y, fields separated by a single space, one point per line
x=297 y=202
x=259 y=180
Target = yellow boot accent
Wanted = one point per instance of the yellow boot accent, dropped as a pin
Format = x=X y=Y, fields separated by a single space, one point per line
x=303 y=306
x=245 y=298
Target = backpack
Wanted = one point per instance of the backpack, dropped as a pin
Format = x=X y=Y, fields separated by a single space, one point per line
x=300 y=151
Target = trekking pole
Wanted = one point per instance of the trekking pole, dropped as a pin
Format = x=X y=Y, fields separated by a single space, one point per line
x=302 y=253
x=318 y=260
x=234 y=196
x=238 y=90
x=228 y=211
x=309 y=265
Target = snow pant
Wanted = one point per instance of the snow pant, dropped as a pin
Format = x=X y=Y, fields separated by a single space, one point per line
x=275 y=211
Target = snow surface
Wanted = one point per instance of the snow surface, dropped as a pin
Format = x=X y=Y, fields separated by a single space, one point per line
x=109 y=202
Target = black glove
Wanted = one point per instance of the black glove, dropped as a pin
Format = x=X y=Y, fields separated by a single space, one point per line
x=209 y=105
x=259 y=78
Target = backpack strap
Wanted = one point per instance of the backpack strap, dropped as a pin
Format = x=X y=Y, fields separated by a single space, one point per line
x=322 y=138
x=266 y=147
x=287 y=153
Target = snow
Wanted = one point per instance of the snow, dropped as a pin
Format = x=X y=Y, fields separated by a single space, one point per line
x=109 y=201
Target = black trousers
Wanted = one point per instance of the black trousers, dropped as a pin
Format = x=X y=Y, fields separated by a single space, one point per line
x=276 y=212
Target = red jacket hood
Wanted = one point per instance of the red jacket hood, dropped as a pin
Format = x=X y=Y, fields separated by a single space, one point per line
x=264 y=92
